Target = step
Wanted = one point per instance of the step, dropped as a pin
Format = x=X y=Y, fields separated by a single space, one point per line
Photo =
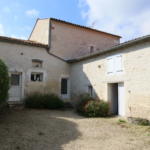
x=15 y=105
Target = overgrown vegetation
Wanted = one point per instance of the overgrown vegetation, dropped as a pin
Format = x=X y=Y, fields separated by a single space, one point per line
x=43 y=100
x=92 y=107
x=144 y=123
x=4 y=82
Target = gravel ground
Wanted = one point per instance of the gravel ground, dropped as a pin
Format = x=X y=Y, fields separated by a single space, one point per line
x=31 y=129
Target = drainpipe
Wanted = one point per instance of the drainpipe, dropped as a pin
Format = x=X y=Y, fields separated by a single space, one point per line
x=49 y=42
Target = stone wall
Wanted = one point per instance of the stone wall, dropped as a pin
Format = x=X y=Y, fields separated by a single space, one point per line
x=136 y=77
x=68 y=41
x=17 y=56
x=41 y=31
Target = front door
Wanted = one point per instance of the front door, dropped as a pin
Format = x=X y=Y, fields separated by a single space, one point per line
x=65 y=88
x=15 y=88
x=121 y=100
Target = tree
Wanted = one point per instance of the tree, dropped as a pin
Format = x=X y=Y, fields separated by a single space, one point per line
x=4 y=82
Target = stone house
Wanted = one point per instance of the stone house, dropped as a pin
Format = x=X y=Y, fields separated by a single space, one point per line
x=67 y=59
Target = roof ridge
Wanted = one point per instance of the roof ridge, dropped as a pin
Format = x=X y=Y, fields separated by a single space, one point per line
x=54 y=19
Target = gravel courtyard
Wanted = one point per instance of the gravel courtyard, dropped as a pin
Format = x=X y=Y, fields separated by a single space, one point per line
x=65 y=130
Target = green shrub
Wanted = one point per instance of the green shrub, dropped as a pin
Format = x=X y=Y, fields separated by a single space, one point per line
x=83 y=99
x=42 y=100
x=4 y=82
x=144 y=123
x=92 y=107
x=96 y=108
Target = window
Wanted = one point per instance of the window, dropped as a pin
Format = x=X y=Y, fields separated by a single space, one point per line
x=37 y=63
x=15 y=79
x=91 y=49
x=36 y=77
x=90 y=90
x=115 y=64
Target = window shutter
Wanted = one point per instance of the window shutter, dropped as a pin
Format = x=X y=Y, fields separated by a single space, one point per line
x=111 y=66
x=118 y=64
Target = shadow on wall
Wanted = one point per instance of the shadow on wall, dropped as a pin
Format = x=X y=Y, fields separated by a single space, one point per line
x=36 y=129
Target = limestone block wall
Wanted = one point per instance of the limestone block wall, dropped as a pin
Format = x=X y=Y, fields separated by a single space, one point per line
x=41 y=31
x=20 y=57
x=135 y=76
x=70 y=42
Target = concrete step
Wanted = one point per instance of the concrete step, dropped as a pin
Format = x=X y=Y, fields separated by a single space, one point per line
x=68 y=105
x=15 y=105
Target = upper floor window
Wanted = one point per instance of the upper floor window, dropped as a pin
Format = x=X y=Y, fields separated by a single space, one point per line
x=91 y=49
x=115 y=64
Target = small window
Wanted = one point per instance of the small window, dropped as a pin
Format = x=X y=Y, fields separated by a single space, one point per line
x=37 y=63
x=36 y=77
x=90 y=90
x=15 y=79
x=91 y=49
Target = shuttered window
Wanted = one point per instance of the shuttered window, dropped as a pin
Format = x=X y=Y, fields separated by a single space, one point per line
x=115 y=64
x=111 y=66
x=118 y=64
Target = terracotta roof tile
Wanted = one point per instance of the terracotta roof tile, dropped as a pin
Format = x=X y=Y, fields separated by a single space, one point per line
x=19 y=41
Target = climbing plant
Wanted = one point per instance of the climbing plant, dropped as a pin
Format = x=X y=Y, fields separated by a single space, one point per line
x=4 y=82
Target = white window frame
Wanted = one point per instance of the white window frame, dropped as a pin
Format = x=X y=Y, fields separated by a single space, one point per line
x=37 y=73
x=114 y=60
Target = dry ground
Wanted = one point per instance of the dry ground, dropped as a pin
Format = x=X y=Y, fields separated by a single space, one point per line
x=65 y=130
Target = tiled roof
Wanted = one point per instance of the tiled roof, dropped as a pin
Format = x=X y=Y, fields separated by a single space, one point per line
x=25 y=42
x=62 y=21
x=110 y=48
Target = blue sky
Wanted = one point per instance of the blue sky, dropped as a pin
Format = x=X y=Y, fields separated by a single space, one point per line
x=127 y=18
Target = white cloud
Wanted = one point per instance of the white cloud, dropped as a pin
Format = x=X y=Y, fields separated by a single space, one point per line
x=32 y=13
x=16 y=17
x=19 y=37
x=129 y=19
x=6 y=9
x=2 y=33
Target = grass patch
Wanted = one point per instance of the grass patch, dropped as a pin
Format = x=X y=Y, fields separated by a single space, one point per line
x=17 y=147
x=41 y=133
x=121 y=120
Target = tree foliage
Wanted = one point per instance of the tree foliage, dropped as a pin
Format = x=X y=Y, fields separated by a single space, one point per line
x=4 y=82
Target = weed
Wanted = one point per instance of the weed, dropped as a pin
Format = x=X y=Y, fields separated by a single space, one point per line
x=131 y=139
x=148 y=134
x=17 y=147
x=41 y=133
x=121 y=120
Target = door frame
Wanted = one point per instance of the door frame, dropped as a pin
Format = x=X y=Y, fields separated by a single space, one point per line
x=65 y=76
x=109 y=96
x=19 y=71
x=67 y=89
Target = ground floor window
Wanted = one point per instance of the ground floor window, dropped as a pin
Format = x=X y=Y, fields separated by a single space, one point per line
x=37 y=77
x=90 y=90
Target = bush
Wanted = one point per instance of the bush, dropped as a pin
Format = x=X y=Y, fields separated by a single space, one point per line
x=96 y=108
x=42 y=100
x=92 y=107
x=83 y=99
x=4 y=82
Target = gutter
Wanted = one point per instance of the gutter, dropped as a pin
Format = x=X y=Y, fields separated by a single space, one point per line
x=109 y=49
x=49 y=42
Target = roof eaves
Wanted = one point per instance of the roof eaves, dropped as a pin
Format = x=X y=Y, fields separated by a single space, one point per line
x=62 y=21
x=19 y=41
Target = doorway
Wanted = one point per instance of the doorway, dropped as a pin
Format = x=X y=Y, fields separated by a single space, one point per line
x=15 y=92
x=65 y=88
x=117 y=100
